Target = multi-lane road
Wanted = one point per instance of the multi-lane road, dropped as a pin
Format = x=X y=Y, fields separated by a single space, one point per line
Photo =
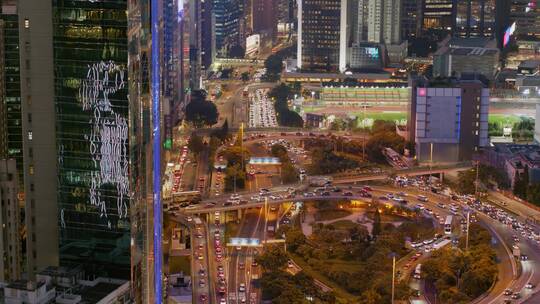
x=513 y=274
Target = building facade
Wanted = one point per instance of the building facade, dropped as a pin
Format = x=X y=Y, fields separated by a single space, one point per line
x=451 y=121
x=322 y=35
x=384 y=21
x=39 y=134
x=438 y=15
x=228 y=18
x=10 y=243
x=91 y=116
x=475 y=18
x=526 y=15
x=449 y=62
x=11 y=85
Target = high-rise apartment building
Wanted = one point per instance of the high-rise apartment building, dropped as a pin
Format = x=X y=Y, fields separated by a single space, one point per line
x=451 y=120
x=322 y=35
x=384 y=21
x=10 y=243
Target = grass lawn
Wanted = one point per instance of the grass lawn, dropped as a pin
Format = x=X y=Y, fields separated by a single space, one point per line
x=231 y=230
x=344 y=225
x=331 y=214
x=503 y=119
x=180 y=263
x=340 y=293
x=387 y=217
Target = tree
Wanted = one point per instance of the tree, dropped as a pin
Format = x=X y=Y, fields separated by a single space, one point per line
x=274 y=66
x=245 y=76
x=370 y=296
x=195 y=144
x=274 y=257
x=236 y=51
x=380 y=140
x=289 y=174
x=201 y=112
x=294 y=238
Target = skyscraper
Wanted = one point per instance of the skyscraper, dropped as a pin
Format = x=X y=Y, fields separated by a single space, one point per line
x=475 y=18
x=148 y=110
x=11 y=88
x=384 y=21
x=409 y=18
x=438 y=15
x=208 y=38
x=39 y=134
x=322 y=35
x=74 y=102
x=227 y=15
x=10 y=245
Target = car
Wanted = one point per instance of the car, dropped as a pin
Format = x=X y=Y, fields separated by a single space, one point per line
x=529 y=285
x=202 y=283
x=524 y=257
x=221 y=289
x=254 y=264
x=203 y=297
x=222 y=301
x=241 y=265
x=516 y=295
x=508 y=292
x=242 y=287
x=290 y=264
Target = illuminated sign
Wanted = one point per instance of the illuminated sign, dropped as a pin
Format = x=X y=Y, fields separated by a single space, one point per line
x=509 y=31
x=108 y=136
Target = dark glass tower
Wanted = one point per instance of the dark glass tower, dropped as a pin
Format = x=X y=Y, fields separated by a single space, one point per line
x=12 y=88
x=90 y=88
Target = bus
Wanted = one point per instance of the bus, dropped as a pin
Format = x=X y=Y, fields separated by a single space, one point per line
x=448 y=225
x=418 y=272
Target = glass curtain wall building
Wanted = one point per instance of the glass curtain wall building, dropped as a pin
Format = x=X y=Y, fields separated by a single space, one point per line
x=90 y=83
x=12 y=86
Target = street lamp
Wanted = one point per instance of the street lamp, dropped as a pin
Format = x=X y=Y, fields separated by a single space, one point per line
x=393 y=255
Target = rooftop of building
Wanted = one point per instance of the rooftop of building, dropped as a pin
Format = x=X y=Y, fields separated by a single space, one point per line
x=481 y=42
x=25 y=285
x=466 y=51
x=529 y=64
x=448 y=82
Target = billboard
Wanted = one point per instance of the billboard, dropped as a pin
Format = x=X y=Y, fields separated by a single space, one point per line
x=253 y=44
x=509 y=31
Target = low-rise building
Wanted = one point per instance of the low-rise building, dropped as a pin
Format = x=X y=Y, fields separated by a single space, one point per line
x=67 y=286
x=451 y=120
x=453 y=62
x=513 y=159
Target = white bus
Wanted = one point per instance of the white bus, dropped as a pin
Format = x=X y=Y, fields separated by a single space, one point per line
x=448 y=225
x=418 y=272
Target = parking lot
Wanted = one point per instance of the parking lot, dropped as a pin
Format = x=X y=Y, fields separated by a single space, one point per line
x=261 y=110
